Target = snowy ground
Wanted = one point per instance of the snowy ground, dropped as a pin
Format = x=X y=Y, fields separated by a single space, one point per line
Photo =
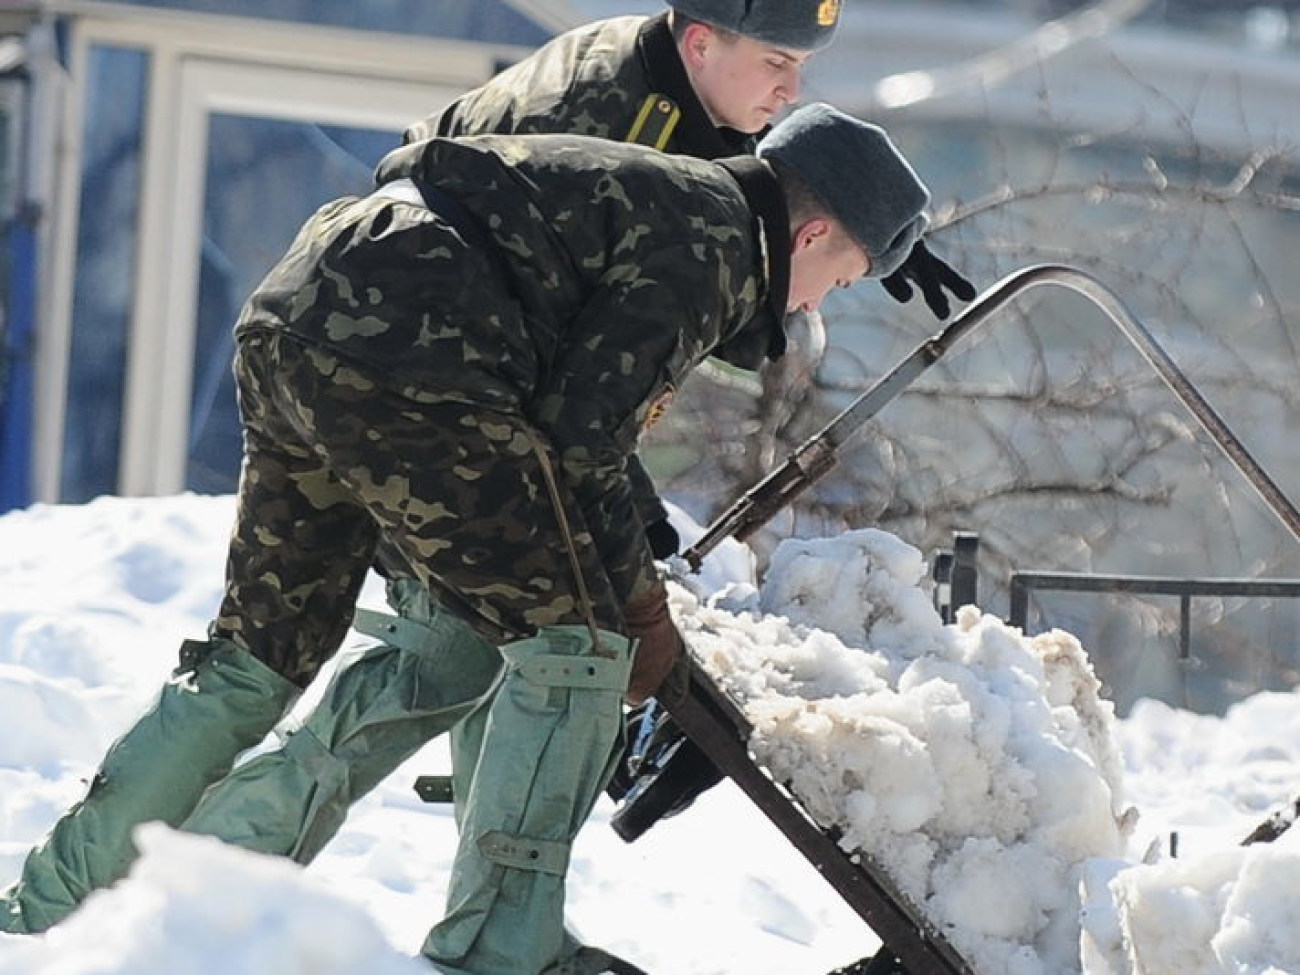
x=980 y=765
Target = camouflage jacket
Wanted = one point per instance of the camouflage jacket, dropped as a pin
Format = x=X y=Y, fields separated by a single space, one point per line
x=613 y=79
x=624 y=267
x=619 y=79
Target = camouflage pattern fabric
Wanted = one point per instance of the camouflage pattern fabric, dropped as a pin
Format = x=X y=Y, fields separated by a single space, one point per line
x=593 y=80
x=391 y=372
x=333 y=459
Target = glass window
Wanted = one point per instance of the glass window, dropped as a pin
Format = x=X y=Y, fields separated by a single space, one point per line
x=7 y=176
x=106 y=256
x=473 y=20
x=15 y=285
x=264 y=178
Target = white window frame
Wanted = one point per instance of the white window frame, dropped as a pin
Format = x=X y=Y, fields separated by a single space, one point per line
x=200 y=65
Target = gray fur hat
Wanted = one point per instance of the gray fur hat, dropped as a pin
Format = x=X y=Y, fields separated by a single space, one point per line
x=804 y=25
x=859 y=175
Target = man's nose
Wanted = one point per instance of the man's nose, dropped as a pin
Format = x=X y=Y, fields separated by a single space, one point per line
x=792 y=85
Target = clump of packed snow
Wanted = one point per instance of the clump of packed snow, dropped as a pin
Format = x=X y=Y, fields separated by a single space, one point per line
x=1232 y=910
x=977 y=767
x=195 y=900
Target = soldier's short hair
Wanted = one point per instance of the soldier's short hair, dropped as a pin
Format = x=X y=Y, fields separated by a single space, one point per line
x=679 y=22
x=801 y=202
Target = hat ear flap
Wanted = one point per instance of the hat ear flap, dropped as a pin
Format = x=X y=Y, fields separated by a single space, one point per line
x=893 y=256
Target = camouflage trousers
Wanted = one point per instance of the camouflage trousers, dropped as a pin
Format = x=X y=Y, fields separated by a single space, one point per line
x=333 y=461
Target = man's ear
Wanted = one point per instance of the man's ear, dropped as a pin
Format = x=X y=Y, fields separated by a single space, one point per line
x=695 y=42
x=809 y=232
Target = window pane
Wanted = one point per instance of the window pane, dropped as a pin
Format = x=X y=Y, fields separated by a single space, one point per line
x=474 y=20
x=105 y=276
x=17 y=288
x=264 y=178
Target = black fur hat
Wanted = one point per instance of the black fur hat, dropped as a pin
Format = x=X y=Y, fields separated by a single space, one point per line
x=804 y=25
x=861 y=177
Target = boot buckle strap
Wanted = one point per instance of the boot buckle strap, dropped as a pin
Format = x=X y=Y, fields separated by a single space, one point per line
x=525 y=853
x=397 y=631
x=192 y=655
x=587 y=673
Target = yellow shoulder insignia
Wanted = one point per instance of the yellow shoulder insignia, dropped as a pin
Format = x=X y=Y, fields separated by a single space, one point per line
x=660 y=406
x=654 y=122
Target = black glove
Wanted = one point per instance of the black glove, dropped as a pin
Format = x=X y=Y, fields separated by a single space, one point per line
x=663 y=538
x=932 y=276
x=660 y=774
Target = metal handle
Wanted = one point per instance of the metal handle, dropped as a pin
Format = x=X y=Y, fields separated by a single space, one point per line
x=755 y=508
x=1109 y=302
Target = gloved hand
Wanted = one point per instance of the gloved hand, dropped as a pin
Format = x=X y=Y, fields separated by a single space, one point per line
x=659 y=645
x=663 y=538
x=932 y=276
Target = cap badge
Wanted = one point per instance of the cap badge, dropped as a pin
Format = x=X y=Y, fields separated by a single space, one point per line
x=828 y=11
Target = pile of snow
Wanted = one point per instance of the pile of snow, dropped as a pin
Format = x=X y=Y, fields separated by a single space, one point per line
x=1233 y=910
x=980 y=767
x=195 y=901
x=977 y=767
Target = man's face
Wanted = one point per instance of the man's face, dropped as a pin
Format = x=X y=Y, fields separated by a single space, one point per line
x=822 y=257
x=742 y=83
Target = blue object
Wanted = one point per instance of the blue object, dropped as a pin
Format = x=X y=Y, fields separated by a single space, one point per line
x=16 y=382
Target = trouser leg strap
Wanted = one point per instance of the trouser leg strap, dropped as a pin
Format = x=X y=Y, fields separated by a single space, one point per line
x=586 y=673
x=524 y=853
x=541 y=754
x=396 y=631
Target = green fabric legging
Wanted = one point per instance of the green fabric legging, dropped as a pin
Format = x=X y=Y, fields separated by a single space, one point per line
x=377 y=712
x=530 y=766
x=221 y=701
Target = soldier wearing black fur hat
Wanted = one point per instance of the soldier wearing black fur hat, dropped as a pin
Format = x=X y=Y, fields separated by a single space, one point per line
x=705 y=78
x=460 y=364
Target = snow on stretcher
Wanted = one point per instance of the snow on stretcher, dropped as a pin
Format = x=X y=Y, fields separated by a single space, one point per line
x=978 y=767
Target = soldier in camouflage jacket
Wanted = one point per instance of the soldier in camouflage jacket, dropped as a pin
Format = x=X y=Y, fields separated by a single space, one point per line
x=462 y=363
x=670 y=81
x=568 y=289
x=667 y=81
x=627 y=79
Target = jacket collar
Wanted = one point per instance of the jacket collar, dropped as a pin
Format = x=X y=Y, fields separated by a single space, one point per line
x=767 y=202
x=696 y=135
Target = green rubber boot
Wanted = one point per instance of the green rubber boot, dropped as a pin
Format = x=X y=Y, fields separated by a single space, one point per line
x=376 y=713
x=220 y=701
x=541 y=753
